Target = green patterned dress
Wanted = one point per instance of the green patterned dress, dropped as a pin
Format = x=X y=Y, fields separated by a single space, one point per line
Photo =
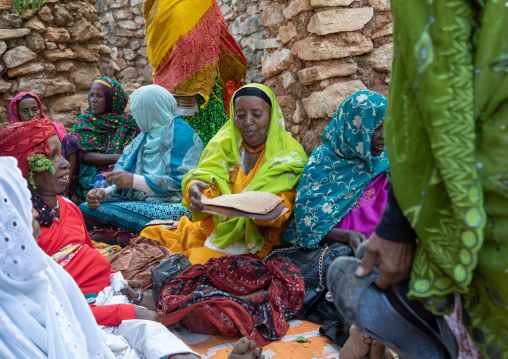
x=447 y=140
x=211 y=117
x=107 y=133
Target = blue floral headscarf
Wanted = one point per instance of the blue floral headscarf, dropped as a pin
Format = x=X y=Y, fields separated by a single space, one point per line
x=338 y=172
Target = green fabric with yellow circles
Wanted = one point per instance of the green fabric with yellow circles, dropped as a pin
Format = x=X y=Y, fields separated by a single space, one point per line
x=446 y=131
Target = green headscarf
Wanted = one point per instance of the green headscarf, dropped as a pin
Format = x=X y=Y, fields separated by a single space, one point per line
x=282 y=166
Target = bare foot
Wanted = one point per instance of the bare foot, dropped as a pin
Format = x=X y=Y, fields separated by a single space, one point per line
x=379 y=351
x=246 y=349
x=357 y=346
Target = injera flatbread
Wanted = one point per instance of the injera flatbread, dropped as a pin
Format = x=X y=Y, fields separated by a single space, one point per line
x=278 y=211
x=168 y=224
x=251 y=202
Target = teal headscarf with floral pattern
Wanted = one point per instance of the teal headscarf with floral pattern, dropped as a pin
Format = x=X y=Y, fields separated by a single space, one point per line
x=338 y=171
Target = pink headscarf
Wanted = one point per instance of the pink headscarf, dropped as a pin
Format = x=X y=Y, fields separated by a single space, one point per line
x=14 y=118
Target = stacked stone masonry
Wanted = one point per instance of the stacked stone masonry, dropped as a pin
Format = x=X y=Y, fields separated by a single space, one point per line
x=312 y=53
x=321 y=51
x=122 y=21
x=56 y=53
x=244 y=21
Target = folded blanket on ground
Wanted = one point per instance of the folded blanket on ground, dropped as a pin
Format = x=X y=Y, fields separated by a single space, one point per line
x=213 y=292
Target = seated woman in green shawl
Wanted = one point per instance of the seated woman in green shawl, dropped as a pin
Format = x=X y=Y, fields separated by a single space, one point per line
x=252 y=152
x=104 y=129
x=148 y=176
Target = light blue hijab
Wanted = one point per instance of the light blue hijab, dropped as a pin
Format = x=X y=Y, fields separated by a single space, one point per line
x=165 y=150
x=338 y=172
x=153 y=108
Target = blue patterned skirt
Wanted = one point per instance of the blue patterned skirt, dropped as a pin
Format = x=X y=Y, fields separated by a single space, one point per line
x=133 y=215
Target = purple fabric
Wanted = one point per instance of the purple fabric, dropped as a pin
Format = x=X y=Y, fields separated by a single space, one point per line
x=367 y=212
x=70 y=145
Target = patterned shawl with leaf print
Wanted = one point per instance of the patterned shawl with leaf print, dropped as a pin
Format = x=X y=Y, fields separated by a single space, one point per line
x=107 y=133
x=338 y=171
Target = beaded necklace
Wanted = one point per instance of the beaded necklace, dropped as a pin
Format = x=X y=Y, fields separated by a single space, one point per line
x=250 y=175
x=250 y=150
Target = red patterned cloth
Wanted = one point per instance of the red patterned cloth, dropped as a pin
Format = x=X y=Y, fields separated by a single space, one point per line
x=467 y=348
x=191 y=65
x=23 y=139
x=229 y=91
x=213 y=292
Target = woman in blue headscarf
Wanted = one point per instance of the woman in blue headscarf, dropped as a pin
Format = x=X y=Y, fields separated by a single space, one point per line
x=344 y=187
x=147 y=177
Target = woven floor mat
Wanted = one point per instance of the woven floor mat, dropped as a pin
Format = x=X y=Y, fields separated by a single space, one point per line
x=219 y=346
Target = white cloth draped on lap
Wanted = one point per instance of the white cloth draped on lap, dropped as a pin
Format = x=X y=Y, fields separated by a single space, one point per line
x=152 y=339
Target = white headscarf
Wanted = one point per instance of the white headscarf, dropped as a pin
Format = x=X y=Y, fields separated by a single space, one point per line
x=42 y=311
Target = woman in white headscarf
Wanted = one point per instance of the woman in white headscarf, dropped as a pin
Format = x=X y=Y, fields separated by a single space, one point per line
x=42 y=311
x=148 y=177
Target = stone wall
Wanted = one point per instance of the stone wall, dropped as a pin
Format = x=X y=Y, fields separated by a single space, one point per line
x=320 y=52
x=312 y=53
x=244 y=21
x=56 y=53
x=122 y=21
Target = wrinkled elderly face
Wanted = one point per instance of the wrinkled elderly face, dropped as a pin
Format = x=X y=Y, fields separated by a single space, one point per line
x=377 y=144
x=28 y=109
x=252 y=118
x=97 y=99
x=46 y=183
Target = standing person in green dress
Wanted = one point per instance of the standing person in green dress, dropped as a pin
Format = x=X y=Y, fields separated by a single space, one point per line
x=446 y=133
x=104 y=129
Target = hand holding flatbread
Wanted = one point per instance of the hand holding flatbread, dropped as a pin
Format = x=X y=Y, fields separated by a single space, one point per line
x=260 y=206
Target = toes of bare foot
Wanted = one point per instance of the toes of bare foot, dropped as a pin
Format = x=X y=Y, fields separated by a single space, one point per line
x=367 y=339
x=257 y=353
x=357 y=346
x=241 y=346
x=378 y=351
x=252 y=345
x=360 y=336
x=246 y=349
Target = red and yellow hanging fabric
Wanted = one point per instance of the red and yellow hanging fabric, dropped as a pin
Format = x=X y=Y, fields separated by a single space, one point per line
x=187 y=43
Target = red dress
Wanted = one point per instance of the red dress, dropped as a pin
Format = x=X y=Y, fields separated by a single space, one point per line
x=85 y=264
